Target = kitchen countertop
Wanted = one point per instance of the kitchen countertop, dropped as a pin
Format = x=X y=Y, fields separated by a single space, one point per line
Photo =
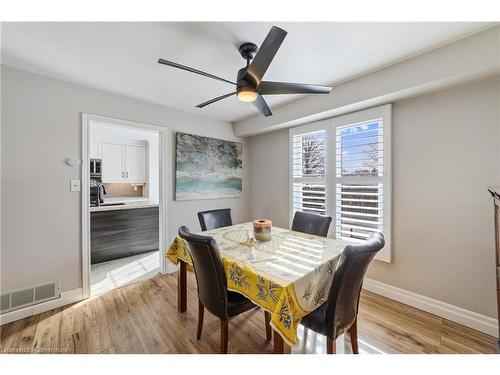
x=130 y=203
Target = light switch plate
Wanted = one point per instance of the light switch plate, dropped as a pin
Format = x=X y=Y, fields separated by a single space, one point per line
x=75 y=185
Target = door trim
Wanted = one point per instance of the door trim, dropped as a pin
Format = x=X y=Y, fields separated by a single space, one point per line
x=163 y=177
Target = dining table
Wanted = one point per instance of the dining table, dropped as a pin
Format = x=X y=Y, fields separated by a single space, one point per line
x=288 y=276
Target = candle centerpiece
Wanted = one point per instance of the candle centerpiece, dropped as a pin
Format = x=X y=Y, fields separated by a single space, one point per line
x=262 y=229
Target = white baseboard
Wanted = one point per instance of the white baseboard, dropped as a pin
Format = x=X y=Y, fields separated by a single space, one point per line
x=66 y=298
x=457 y=314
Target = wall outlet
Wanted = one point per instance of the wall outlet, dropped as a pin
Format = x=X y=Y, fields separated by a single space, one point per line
x=75 y=185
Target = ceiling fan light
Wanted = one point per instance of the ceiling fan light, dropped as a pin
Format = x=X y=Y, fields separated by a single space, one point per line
x=247 y=95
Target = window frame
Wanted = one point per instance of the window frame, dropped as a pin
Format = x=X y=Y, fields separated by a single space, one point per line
x=383 y=113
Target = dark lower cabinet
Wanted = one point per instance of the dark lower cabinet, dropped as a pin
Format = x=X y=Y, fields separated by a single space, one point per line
x=121 y=233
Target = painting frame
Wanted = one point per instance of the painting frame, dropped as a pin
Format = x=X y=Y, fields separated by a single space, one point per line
x=207 y=168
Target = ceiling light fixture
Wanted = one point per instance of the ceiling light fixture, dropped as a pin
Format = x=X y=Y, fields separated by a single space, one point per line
x=247 y=95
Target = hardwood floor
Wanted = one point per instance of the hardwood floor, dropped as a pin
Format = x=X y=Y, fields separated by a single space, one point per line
x=143 y=318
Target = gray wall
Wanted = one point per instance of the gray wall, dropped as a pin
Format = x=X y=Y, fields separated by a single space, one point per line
x=269 y=184
x=41 y=126
x=446 y=151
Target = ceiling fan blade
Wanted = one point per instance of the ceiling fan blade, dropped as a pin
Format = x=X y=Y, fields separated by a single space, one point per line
x=192 y=70
x=265 y=55
x=214 y=100
x=276 y=88
x=262 y=106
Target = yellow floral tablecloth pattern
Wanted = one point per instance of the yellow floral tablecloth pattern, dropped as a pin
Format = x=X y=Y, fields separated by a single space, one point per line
x=288 y=276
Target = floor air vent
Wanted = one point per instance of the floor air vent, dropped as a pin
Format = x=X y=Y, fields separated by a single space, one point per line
x=29 y=296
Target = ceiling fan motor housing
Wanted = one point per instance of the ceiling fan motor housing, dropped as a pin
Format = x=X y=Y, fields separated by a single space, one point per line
x=245 y=91
x=243 y=84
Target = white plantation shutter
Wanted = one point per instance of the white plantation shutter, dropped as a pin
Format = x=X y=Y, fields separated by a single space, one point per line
x=359 y=188
x=309 y=198
x=309 y=172
x=342 y=167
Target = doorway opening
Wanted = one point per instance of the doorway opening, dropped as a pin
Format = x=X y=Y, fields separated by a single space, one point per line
x=123 y=203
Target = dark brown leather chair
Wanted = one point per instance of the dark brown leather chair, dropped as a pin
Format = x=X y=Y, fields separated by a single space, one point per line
x=339 y=313
x=215 y=219
x=212 y=285
x=311 y=223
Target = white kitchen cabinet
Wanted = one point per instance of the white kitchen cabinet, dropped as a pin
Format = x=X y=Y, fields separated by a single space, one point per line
x=95 y=150
x=124 y=163
x=113 y=165
x=135 y=164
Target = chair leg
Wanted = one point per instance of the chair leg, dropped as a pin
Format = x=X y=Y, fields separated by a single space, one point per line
x=353 y=332
x=182 y=287
x=224 y=328
x=331 y=346
x=201 y=311
x=267 y=320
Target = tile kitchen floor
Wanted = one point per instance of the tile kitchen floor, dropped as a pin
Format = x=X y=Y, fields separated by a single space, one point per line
x=119 y=272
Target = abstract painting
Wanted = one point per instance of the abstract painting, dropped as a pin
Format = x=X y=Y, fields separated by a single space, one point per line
x=207 y=168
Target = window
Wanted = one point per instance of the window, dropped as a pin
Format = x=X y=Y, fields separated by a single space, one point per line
x=359 y=180
x=342 y=167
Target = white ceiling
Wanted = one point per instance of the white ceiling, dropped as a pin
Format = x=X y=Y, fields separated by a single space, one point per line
x=122 y=57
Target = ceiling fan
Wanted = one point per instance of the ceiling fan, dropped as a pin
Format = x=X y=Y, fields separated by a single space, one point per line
x=249 y=84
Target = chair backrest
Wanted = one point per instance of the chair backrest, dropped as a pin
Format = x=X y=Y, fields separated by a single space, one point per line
x=343 y=298
x=215 y=219
x=311 y=223
x=209 y=271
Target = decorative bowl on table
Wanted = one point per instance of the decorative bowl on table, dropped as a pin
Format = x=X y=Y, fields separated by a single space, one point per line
x=262 y=229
